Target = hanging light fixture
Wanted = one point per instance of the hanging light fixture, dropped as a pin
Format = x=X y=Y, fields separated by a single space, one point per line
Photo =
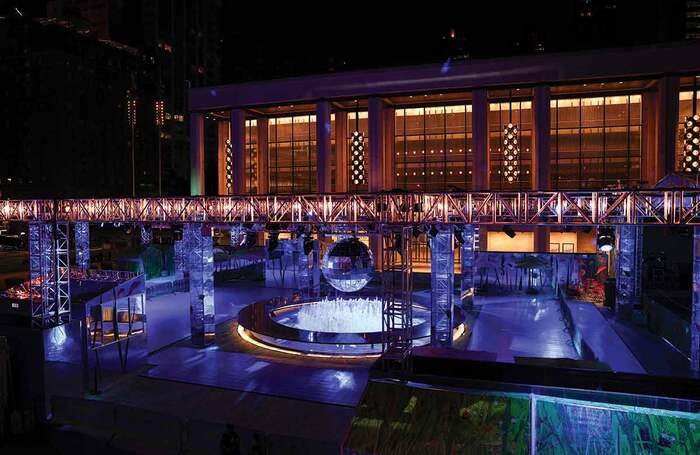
x=691 y=139
x=511 y=147
x=606 y=239
x=357 y=151
x=229 y=166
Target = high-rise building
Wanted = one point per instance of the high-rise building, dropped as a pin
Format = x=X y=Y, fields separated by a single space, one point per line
x=183 y=39
x=176 y=44
x=692 y=19
x=64 y=110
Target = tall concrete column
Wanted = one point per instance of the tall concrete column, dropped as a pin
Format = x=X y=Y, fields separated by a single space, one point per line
x=442 y=288
x=480 y=134
x=541 y=239
x=541 y=155
x=695 y=315
x=82 y=244
x=342 y=167
x=376 y=162
x=323 y=146
x=389 y=157
x=199 y=248
x=467 y=267
x=196 y=154
x=238 y=149
x=629 y=269
x=541 y=163
x=652 y=170
x=376 y=144
x=666 y=123
x=262 y=167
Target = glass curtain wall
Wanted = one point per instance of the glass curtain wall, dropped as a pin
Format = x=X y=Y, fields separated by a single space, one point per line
x=685 y=109
x=433 y=148
x=596 y=142
x=292 y=154
x=251 y=156
x=501 y=114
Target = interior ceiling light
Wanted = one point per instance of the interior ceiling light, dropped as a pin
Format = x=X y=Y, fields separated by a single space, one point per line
x=511 y=148
x=357 y=152
x=691 y=139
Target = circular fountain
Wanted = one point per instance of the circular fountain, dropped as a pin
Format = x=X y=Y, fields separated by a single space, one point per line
x=346 y=327
x=331 y=327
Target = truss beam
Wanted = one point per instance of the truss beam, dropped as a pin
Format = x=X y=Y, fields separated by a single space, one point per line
x=617 y=207
x=82 y=245
x=49 y=273
x=442 y=287
x=199 y=248
x=629 y=268
x=467 y=259
x=397 y=290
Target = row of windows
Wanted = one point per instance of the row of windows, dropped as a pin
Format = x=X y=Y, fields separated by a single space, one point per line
x=595 y=142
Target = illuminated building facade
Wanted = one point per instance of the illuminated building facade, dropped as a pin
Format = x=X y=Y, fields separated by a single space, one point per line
x=588 y=120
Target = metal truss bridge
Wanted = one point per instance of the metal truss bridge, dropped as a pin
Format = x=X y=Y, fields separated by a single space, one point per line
x=615 y=207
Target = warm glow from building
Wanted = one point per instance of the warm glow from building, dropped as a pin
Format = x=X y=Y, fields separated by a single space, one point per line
x=523 y=242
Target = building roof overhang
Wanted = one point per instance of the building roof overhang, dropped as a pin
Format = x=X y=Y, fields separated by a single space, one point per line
x=608 y=64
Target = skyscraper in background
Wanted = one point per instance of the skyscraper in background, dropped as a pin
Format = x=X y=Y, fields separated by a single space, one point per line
x=183 y=40
x=63 y=109
x=155 y=49
x=692 y=19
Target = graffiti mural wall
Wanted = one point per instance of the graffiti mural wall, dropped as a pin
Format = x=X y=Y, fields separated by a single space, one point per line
x=399 y=418
x=579 y=275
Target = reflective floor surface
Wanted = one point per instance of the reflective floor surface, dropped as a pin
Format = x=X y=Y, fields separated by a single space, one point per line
x=250 y=373
x=526 y=326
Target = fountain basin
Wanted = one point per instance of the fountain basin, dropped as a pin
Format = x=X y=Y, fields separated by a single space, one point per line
x=329 y=327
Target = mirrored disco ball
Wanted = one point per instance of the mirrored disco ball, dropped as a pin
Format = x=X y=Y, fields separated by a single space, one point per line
x=348 y=265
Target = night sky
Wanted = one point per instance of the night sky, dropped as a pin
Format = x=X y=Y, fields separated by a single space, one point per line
x=277 y=42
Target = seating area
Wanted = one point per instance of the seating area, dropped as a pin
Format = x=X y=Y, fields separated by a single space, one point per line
x=94 y=426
